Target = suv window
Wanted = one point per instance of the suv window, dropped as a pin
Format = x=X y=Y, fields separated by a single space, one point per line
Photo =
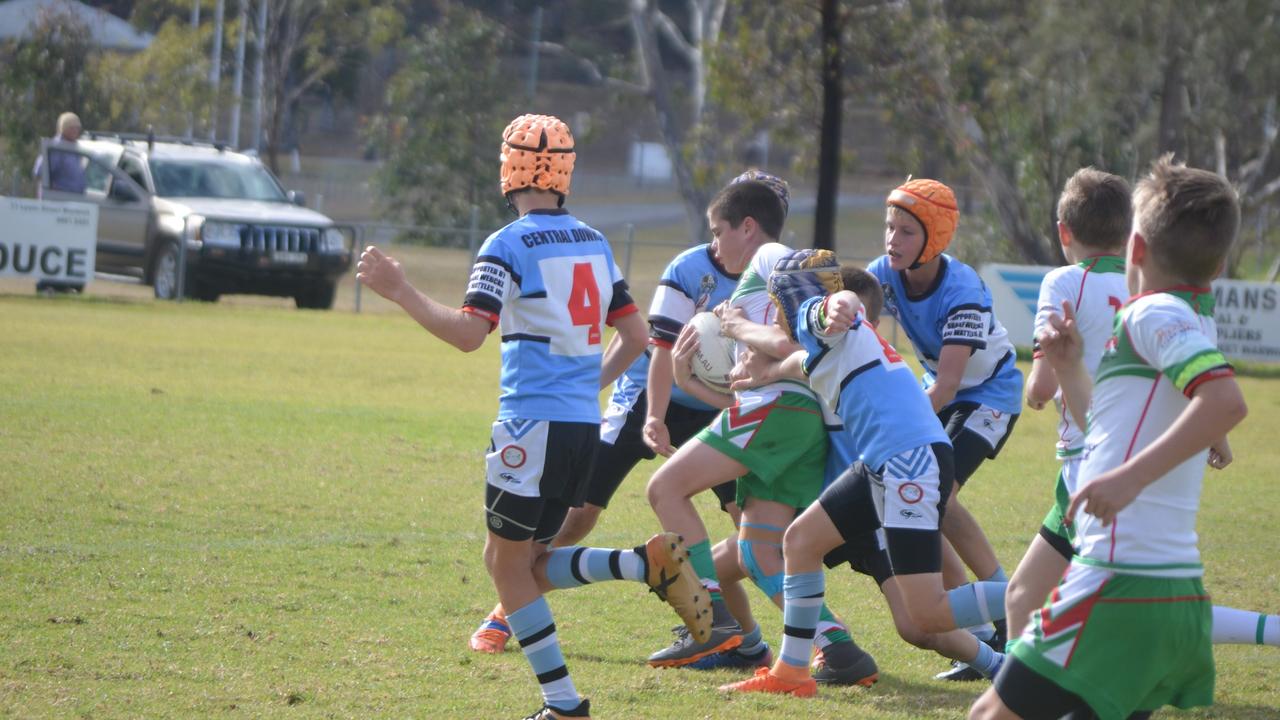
x=133 y=168
x=196 y=178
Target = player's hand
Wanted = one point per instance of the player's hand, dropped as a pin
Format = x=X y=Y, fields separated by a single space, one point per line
x=732 y=319
x=752 y=370
x=657 y=437
x=1060 y=339
x=1220 y=454
x=1106 y=496
x=380 y=273
x=842 y=311
x=682 y=355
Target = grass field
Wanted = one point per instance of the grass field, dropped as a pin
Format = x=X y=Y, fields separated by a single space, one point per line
x=241 y=510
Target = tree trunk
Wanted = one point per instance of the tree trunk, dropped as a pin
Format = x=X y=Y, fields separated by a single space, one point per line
x=1171 y=110
x=824 y=221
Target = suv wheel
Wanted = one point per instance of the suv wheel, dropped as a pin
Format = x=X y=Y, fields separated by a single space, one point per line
x=317 y=297
x=164 y=277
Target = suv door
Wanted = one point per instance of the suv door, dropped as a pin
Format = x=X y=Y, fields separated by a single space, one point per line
x=74 y=174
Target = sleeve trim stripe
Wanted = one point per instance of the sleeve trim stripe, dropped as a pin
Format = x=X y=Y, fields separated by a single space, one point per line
x=1184 y=372
x=661 y=343
x=672 y=284
x=1215 y=373
x=483 y=314
x=976 y=344
x=621 y=312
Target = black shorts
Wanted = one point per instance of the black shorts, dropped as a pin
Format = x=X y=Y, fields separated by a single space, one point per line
x=977 y=433
x=536 y=471
x=615 y=461
x=867 y=515
x=1034 y=697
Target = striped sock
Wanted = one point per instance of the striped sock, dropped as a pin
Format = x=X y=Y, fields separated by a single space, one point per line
x=751 y=641
x=977 y=603
x=802 y=595
x=830 y=629
x=536 y=630
x=705 y=566
x=988 y=661
x=577 y=566
x=1244 y=627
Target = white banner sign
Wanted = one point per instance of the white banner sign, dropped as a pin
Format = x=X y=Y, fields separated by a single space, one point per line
x=1247 y=313
x=45 y=240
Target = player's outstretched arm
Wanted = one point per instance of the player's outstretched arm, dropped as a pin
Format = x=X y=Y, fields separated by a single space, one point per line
x=658 y=397
x=382 y=274
x=1063 y=347
x=627 y=344
x=1216 y=407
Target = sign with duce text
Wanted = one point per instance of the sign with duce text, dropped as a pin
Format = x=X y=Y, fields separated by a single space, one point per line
x=45 y=240
x=1247 y=313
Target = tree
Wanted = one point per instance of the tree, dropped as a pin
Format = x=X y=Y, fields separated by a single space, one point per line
x=59 y=47
x=444 y=123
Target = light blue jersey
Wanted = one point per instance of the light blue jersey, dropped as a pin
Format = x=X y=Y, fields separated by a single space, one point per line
x=864 y=381
x=956 y=310
x=549 y=282
x=693 y=282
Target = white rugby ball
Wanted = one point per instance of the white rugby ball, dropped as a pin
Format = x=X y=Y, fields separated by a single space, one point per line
x=714 y=358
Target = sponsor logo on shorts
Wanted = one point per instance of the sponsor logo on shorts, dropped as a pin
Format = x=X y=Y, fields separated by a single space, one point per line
x=508 y=477
x=910 y=514
x=911 y=493
x=513 y=456
x=495 y=522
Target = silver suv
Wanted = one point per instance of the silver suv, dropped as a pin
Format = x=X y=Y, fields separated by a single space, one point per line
x=166 y=203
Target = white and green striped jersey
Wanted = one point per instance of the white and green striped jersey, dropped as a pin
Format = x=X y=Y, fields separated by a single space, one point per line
x=1162 y=348
x=1096 y=289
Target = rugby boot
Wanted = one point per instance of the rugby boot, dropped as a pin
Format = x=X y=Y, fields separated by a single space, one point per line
x=726 y=634
x=671 y=577
x=549 y=713
x=735 y=659
x=493 y=633
x=844 y=663
x=963 y=671
x=801 y=685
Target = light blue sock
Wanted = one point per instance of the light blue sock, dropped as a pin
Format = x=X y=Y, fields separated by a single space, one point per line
x=802 y=605
x=751 y=641
x=977 y=603
x=534 y=627
x=577 y=566
x=988 y=661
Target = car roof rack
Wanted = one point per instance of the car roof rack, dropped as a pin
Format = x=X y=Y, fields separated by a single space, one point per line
x=150 y=138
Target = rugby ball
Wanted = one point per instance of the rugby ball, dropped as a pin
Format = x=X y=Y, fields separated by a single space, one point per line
x=714 y=358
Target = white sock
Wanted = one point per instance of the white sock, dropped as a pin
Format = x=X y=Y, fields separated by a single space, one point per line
x=1244 y=627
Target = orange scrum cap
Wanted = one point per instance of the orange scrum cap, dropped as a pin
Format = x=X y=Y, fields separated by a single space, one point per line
x=537 y=152
x=934 y=205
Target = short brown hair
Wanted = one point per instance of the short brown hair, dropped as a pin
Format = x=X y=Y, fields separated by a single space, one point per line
x=1189 y=218
x=1097 y=207
x=867 y=287
x=749 y=198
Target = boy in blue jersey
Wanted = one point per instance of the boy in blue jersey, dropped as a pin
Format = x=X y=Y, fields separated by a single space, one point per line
x=550 y=282
x=641 y=422
x=969 y=366
x=883 y=512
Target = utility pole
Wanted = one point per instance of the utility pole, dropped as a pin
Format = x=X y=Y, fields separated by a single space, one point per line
x=237 y=85
x=258 y=80
x=215 y=68
x=195 y=25
x=532 y=88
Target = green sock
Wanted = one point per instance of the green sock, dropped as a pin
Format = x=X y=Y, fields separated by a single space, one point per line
x=830 y=629
x=705 y=566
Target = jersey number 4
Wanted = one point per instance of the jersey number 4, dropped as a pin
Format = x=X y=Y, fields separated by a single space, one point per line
x=584 y=301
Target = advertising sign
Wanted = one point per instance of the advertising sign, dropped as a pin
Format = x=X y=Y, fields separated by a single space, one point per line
x=45 y=240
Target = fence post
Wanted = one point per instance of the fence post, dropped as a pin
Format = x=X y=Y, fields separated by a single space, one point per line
x=631 y=241
x=473 y=234
x=359 y=242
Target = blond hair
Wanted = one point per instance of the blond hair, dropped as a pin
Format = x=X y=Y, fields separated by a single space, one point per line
x=68 y=119
x=1189 y=218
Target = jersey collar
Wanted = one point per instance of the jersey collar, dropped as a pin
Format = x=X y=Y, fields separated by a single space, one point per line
x=1103 y=264
x=548 y=211
x=1200 y=299
x=720 y=268
x=933 y=287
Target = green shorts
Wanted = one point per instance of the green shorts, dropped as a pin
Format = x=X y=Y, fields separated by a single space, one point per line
x=1124 y=643
x=783 y=443
x=1054 y=521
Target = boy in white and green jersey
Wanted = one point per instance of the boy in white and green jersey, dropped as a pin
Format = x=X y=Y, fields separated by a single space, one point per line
x=1128 y=628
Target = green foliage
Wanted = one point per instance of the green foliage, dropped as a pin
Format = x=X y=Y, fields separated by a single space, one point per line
x=447 y=106
x=41 y=77
x=177 y=61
